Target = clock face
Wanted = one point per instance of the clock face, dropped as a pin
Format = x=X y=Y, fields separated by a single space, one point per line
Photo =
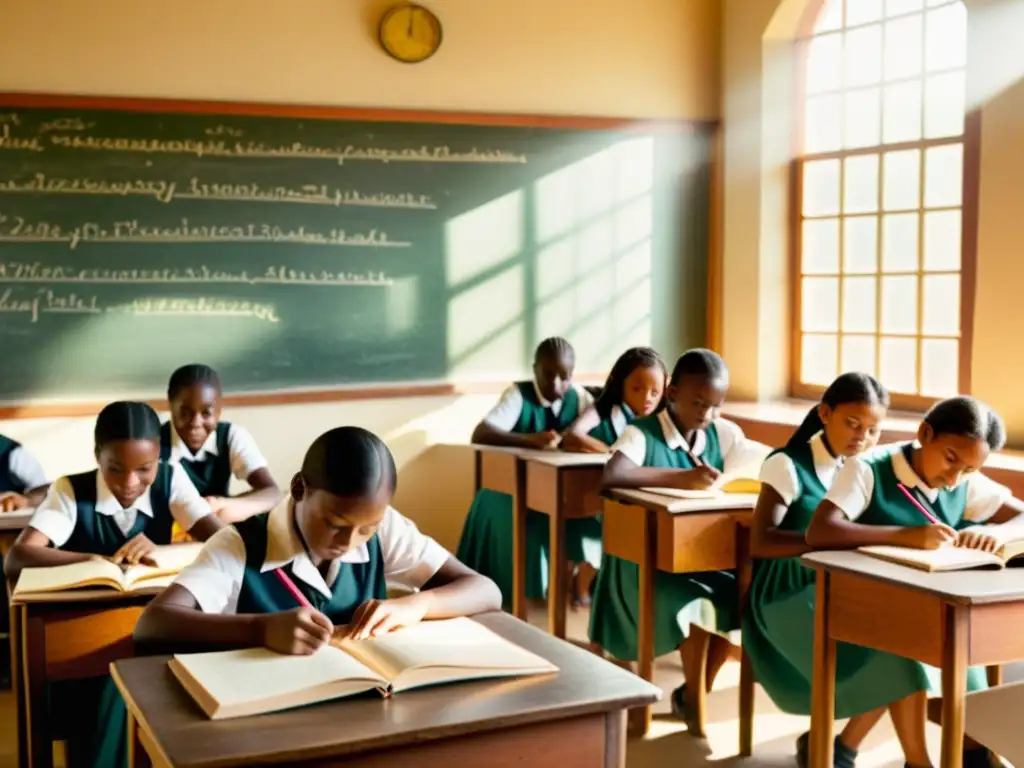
x=410 y=33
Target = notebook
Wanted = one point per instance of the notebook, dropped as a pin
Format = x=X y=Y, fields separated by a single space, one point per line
x=949 y=558
x=253 y=681
x=162 y=565
x=744 y=480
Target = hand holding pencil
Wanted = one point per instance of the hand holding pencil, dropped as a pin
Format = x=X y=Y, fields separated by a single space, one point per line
x=301 y=631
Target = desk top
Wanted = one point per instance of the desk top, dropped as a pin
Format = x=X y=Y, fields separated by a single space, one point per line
x=550 y=458
x=585 y=685
x=15 y=521
x=961 y=587
x=727 y=502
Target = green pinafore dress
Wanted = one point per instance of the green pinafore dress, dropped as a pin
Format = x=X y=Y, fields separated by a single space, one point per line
x=93 y=709
x=707 y=599
x=778 y=630
x=212 y=475
x=486 y=542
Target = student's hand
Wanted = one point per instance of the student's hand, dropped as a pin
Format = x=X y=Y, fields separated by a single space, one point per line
x=299 y=632
x=218 y=504
x=544 y=440
x=378 y=617
x=11 y=501
x=927 y=536
x=978 y=538
x=133 y=551
x=697 y=479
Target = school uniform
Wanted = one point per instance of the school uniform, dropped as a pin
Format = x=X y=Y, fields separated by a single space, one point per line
x=486 y=542
x=80 y=514
x=19 y=470
x=229 y=450
x=708 y=599
x=234 y=572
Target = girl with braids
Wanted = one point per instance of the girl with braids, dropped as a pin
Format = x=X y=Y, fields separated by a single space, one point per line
x=530 y=414
x=210 y=450
x=685 y=446
x=869 y=502
x=339 y=541
x=120 y=511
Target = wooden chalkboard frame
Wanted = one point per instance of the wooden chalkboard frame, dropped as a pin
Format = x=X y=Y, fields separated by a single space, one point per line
x=377 y=391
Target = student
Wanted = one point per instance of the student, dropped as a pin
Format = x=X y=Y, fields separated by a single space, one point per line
x=635 y=388
x=210 y=450
x=683 y=446
x=336 y=538
x=868 y=504
x=120 y=511
x=530 y=414
x=22 y=480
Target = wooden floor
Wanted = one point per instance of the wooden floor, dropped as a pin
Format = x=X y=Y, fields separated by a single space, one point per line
x=668 y=743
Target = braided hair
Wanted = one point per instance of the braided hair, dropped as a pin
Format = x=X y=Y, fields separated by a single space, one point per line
x=126 y=420
x=555 y=348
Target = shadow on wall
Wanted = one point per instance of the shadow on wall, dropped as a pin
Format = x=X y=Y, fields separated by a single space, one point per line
x=436 y=487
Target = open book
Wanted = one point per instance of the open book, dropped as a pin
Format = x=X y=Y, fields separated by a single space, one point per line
x=743 y=480
x=163 y=565
x=949 y=558
x=257 y=680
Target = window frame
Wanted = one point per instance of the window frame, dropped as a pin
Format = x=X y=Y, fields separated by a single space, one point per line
x=971 y=142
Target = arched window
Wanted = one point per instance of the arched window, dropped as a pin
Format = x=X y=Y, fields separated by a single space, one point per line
x=884 y=223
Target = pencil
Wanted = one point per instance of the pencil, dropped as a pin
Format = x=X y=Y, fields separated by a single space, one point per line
x=290 y=586
x=920 y=507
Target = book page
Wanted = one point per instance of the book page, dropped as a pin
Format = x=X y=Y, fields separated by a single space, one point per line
x=95 y=572
x=163 y=561
x=942 y=559
x=993 y=719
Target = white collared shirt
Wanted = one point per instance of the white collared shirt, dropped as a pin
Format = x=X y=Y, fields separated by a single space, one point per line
x=737 y=450
x=505 y=414
x=215 y=577
x=618 y=419
x=25 y=470
x=244 y=454
x=854 y=486
x=56 y=517
x=779 y=472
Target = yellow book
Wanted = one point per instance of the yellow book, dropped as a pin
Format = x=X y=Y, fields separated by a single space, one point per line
x=253 y=681
x=949 y=558
x=742 y=481
x=158 y=571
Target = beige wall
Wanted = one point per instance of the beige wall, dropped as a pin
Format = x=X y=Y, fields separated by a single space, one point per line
x=643 y=58
x=757 y=74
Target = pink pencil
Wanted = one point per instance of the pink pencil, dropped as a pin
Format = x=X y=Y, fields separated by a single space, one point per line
x=920 y=507
x=290 y=586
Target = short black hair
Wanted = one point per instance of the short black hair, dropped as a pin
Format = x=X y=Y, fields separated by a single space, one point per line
x=125 y=420
x=701 y=362
x=629 y=361
x=554 y=347
x=189 y=376
x=847 y=388
x=349 y=461
x=967 y=417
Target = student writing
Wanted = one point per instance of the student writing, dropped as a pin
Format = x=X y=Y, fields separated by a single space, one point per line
x=867 y=504
x=210 y=450
x=530 y=414
x=683 y=446
x=339 y=541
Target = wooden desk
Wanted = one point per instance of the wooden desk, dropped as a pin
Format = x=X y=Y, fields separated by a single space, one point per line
x=681 y=536
x=51 y=642
x=575 y=719
x=12 y=524
x=560 y=485
x=949 y=620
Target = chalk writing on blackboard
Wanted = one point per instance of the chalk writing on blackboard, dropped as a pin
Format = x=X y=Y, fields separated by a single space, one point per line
x=66 y=124
x=9 y=141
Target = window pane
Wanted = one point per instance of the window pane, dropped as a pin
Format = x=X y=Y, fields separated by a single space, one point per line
x=859 y=354
x=818 y=359
x=896 y=7
x=898 y=360
x=862 y=118
x=859 y=306
x=824 y=63
x=944 y=105
x=901 y=186
x=904 y=39
x=939 y=367
x=819 y=247
x=899 y=304
x=943 y=175
x=941 y=305
x=821 y=188
x=860 y=244
x=860 y=187
x=901 y=113
x=830 y=16
x=823 y=125
x=819 y=304
x=945 y=38
x=863 y=11
x=863 y=59
x=899 y=242
x=942 y=248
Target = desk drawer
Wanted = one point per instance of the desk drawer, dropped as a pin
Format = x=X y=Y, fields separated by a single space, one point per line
x=698 y=542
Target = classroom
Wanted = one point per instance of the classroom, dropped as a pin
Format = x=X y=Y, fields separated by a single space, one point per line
x=379 y=214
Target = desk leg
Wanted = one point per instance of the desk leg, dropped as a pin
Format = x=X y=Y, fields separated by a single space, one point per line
x=954 y=686
x=137 y=755
x=18 y=682
x=615 y=739
x=40 y=744
x=641 y=717
x=744 y=574
x=519 y=607
x=823 y=682
x=557 y=580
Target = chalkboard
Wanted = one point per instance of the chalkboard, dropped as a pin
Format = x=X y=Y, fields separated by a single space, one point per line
x=315 y=250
